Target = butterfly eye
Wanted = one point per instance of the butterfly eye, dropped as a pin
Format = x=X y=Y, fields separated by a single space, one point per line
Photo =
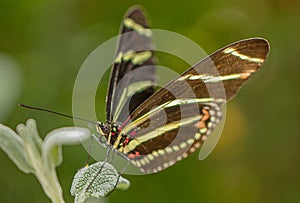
x=101 y=128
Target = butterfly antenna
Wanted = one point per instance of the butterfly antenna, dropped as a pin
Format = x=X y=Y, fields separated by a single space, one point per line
x=54 y=112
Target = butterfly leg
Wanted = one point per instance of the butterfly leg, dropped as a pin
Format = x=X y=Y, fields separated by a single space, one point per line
x=121 y=173
x=89 y=152
x=103 y=164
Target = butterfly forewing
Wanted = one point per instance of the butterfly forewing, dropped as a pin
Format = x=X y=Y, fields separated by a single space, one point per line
x=133 y=72
x=230 y=66
x=176 y=119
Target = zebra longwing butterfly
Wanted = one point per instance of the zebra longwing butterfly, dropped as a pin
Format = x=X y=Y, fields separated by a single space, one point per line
x=146 y=125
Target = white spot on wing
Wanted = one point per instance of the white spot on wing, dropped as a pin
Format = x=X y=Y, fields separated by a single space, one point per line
x=129 y=23
x=242 y=56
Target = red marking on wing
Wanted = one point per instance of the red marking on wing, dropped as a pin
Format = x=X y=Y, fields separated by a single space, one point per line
x=133 y=133
x=126 y=141
x=131 y=156
x=124 y=123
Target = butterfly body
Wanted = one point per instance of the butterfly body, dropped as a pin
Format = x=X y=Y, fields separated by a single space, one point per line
x=155 y=129
x=114 y=139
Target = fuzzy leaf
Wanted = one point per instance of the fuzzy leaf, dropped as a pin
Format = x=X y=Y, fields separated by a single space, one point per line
x=96 y=181
x=12 y=145
x=52 y=152
x=34 y=134
x=123 y=184
x=32 y=150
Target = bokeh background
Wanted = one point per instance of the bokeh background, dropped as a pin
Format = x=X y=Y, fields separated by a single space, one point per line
x=44 y=43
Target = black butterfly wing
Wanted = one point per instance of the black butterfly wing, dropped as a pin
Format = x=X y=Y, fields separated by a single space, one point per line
x=177 y=119
x=133 y=76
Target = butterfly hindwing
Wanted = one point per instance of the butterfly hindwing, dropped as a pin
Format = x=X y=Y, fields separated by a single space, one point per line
x=162 y=140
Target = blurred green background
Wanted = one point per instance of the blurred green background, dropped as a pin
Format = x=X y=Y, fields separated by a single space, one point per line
x=44 y=43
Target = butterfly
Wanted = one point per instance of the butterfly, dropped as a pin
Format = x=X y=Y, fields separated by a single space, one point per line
x=154 y=129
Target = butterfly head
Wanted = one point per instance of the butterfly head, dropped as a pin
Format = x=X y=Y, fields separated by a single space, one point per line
x=102 y=128
x=109 y=131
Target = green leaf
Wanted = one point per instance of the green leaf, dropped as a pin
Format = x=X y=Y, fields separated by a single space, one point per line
x=12 y=145
x=51 y=150
x=96 y=181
